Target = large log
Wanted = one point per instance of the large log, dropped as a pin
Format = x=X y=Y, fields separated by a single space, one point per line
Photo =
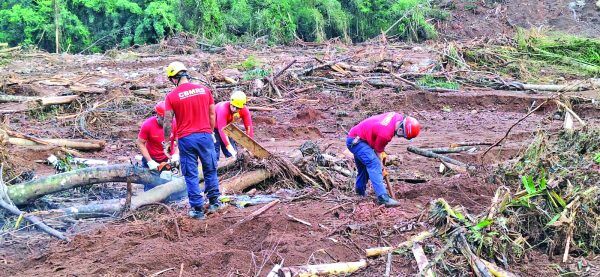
x=155 y=195
x=25 y=192
x=44 y=101
x=430 y=154
x=79 y=144
x=244 y=181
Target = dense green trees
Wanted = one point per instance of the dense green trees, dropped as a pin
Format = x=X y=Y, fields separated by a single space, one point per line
x=96 y=25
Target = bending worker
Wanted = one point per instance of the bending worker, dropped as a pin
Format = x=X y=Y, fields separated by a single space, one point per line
x=149 y=141
x=227 y=111
x=367 y=141
x=194 y=109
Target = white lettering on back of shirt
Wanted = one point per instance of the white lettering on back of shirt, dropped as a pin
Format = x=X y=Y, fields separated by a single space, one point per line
x=191 y=93
x=387 y=119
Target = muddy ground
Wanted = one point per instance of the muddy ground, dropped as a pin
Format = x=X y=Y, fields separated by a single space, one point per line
x=343 y=225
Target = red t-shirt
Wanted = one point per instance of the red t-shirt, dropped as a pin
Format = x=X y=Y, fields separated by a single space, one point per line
x=225 y=116
x=191 y=105
x=377 y=131
x=153 y=134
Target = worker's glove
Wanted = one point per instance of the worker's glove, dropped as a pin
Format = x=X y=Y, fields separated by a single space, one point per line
x=153 y=165
x=231 y=150
x=166 y=147
x=175 y=159
x=382 y=156
x=385 y=172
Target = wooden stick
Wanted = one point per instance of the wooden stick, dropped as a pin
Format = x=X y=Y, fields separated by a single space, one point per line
x=430 y=154
x=161 y=272
x=283 y=70
x=254 y=214
x=34 y=220
x=422 y=261
x=571 y=112
x=261 y=109
x=388 y=265
x=291 y=217
x=511 y=127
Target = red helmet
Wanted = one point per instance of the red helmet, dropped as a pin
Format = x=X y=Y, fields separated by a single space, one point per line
x=160 y=108
x=412 y=127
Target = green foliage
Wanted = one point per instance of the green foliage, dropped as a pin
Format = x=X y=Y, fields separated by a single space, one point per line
x=250 y=63
x=434 y=82
x=257 y=73
x=97 y=25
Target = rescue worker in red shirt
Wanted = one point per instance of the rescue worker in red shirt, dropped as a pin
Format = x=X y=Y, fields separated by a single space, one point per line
x=228 y=111
x=367 y=142
x=149 y=141
x=194 y=109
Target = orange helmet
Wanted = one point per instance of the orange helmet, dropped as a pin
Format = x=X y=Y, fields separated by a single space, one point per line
x=412 y=127
x=160 y=108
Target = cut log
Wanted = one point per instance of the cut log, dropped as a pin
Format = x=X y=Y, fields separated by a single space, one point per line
x=44 y=101
x=378 y=251
x=79 y=144
x=239 y=183
x=323 y=269
x=25 y=192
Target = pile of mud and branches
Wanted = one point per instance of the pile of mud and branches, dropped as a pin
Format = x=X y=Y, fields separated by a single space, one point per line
x=548 y=202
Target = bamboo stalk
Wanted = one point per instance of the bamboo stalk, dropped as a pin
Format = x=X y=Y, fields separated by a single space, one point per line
x=323 y=269
x=378 y=251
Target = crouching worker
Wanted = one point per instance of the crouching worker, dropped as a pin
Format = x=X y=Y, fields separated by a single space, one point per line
x=367 y=142
x=227 y=112
x=150 y=140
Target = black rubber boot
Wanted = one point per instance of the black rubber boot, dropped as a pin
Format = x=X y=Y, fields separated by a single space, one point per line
x=387 y=201
x=197 y=213
x=215 y=206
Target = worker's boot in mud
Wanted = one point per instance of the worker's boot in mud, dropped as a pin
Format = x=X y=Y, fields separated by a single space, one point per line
x=215 y=207
x=387 y=201
x=197 y=213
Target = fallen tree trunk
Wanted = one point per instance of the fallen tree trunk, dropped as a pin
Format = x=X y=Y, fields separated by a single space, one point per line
x=430 y=154
x=25 y=192
x=323 y=269
x=44 y=101
x=79 y=144
x=451 y=150
x=157 y=194
x=244 y=181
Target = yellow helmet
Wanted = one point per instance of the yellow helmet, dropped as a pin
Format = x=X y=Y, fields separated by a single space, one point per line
x=174 y=68
x=238 y=99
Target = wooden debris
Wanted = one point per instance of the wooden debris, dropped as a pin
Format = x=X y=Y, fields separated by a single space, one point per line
x=244 y=140
x=388 y=265
x=291 y=217
x=343 y=268
x=79 y=144
x=240 y=183
x=430 y=154
x=422 y=261
x=34 y=220
x=43 y=101
x=255 y=214
x=450 y=150
x=378 y=251
x=261 y=109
